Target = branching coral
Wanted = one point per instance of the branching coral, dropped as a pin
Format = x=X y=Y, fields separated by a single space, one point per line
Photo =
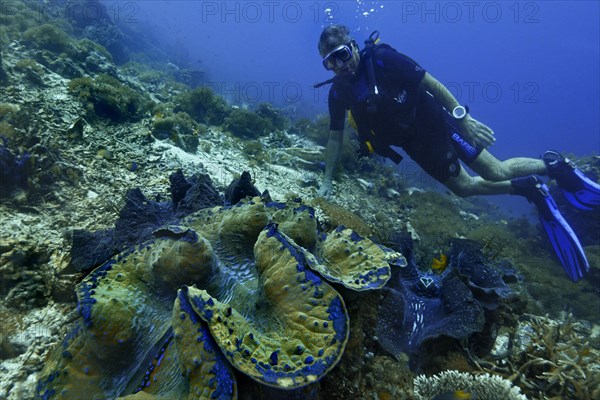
x=551 y=358
x=482 y=387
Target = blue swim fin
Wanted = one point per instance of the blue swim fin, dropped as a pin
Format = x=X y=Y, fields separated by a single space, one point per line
x=578 y=189
x=564 y=241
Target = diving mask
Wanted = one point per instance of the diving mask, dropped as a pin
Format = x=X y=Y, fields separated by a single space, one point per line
x=338 y=57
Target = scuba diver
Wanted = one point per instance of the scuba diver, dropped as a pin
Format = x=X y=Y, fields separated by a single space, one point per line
x=393 y=101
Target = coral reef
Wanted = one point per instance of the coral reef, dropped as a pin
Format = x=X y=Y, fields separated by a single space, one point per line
x=255 y=151
x=280 y=139
x=337 y=215
x=364 y=372
x=316 y=129
x=93 y=54
x=32 y=70
x=483 y=387
x=139 y=218
x=550 y=358
x=3 y=75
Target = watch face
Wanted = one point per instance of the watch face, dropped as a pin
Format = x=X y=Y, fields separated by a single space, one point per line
x=459 y=112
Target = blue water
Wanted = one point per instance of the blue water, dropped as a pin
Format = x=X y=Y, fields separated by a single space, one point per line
x=530 y=70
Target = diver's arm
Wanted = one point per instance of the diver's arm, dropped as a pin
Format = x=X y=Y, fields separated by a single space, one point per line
x=480 y=133
x=332 y=157
x=440 y=91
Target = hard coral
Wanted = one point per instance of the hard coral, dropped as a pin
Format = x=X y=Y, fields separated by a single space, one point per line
x=482 y=387
x=554 y=358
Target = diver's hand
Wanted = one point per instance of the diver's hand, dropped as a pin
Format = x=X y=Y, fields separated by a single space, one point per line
x=481 y=134
x=325 y=190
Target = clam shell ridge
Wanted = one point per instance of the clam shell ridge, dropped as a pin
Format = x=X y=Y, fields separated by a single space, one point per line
x=227 y=286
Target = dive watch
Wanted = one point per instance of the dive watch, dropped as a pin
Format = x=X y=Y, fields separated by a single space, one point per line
x=459 y=112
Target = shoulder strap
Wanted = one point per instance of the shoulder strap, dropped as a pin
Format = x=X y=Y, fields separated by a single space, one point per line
x=371 y=47
x=368 y=52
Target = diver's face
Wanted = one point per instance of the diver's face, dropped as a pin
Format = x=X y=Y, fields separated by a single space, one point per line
x=342 y=59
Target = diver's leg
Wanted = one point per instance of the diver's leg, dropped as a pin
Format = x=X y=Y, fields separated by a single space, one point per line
x=465 y=185
x=492 y=169
x=564 y=241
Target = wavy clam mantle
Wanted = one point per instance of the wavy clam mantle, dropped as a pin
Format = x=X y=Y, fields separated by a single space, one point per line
x=227 y=287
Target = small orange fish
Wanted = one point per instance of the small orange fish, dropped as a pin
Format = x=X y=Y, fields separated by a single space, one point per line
x=439 y=265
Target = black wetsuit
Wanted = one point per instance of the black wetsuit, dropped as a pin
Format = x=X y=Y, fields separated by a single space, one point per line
x=404 y=115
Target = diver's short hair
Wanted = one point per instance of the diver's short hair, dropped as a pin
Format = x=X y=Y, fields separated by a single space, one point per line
x=332 y=36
